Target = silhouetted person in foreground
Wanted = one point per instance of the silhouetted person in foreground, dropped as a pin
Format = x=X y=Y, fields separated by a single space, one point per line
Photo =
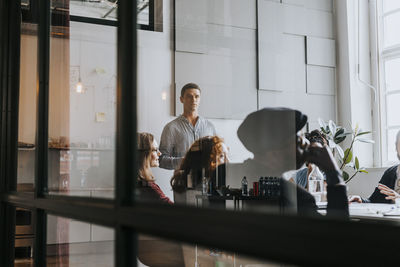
x=272 y=135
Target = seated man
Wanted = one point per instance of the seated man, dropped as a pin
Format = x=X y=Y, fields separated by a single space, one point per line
x=388 y=188
x=270 y=134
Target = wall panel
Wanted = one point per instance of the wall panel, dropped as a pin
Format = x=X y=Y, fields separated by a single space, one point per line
x=320 y=80
x=321 y=52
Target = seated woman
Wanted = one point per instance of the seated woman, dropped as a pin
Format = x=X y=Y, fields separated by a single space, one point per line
x=148 y=154
x=388 y=188
x=206 y=155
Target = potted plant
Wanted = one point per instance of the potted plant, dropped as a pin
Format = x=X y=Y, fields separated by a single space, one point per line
x=336 y=135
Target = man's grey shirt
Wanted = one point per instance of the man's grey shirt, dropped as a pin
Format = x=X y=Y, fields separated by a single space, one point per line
x=177 y=137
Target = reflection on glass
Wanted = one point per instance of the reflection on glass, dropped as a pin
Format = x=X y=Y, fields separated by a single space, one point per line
x=27 y=105
x=24 y=237
x=82 y=106
x=154 y=251
x=75 y=243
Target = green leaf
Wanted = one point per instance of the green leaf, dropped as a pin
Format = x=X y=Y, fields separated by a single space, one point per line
x=339 y=132
x=327 y=130
x=348 y=156
x=363 y=171
x=345 y=176
x=362 y=133
x=357 y=163
x=340 y=139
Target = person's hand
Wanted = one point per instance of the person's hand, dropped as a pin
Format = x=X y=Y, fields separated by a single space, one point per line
x=355 y=199
x=390 y=193
x=322 y=157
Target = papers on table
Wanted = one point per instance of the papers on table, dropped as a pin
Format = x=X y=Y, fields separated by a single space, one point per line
x=373 y=209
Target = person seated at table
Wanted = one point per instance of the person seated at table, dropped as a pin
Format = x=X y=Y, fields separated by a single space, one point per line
x=204 y=157
x=148 y=155
x=388 y=188
x=272 y=135
x=314 y=136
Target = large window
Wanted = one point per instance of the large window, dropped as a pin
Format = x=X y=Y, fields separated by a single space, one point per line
x=389 y=67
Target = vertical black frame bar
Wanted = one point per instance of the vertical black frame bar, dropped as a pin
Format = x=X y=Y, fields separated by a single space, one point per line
x=9 y=72
x=151 y=14
x=4 y=229
x=126 y=244
x=41 y=157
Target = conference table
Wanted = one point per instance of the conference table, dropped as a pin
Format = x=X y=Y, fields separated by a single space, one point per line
x=368 y=211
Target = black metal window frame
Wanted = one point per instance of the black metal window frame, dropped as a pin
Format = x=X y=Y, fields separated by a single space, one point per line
x=30 y=15
x=153 y=13
x=289 y=239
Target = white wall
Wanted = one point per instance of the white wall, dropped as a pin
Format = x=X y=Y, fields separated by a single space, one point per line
x=296 y=57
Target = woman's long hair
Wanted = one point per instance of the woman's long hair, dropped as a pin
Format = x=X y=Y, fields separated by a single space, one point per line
x=203 y=153
x=145 y=146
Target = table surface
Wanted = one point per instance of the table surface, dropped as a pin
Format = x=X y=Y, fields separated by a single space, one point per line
x=378 y=211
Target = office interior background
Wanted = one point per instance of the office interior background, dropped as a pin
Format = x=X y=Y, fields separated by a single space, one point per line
x=80 y=78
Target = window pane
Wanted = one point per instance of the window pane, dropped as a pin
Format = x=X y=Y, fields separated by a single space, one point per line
x=393 y=109
x=391 y=25
x=82 y=106
x=391 y=145
x=143 y=12
x=392 y=79
x=27 y=101
x=155 y=251
x=76 y=243
x=389 y=5
x=106 y=10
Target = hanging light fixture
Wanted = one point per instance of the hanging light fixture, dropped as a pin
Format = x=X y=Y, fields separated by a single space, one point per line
x=79 y=86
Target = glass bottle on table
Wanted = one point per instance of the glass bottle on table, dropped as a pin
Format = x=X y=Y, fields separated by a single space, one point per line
x=316 y=183
x=244 y=186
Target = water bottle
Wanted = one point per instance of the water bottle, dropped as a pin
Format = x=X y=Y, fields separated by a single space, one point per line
x=244 y=187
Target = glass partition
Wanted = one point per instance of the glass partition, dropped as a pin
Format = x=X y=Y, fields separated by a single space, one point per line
x=232 y=100
x=82 y=105
x=75 y=243
x=27 y=101
x=154 y=251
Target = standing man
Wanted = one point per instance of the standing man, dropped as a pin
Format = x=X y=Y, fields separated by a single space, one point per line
x=179 y=134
